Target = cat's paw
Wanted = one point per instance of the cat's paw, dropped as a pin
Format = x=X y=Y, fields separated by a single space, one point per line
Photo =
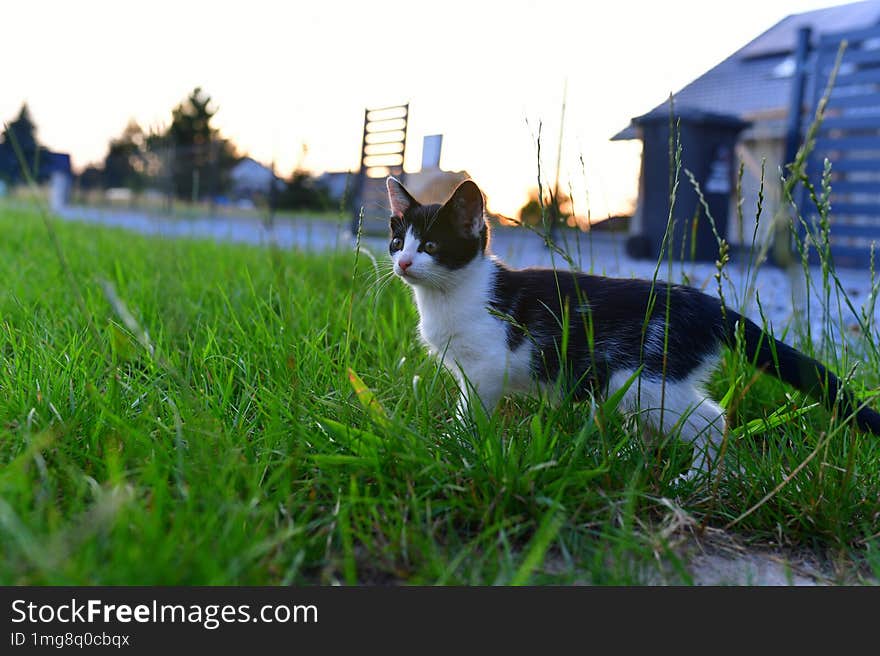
x=462 y=412
x=703 y=474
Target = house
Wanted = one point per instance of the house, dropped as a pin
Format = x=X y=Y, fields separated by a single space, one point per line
x=48 y=163
x=757 y=84
x=338 y=184
x=55 y=163
x=250 y=178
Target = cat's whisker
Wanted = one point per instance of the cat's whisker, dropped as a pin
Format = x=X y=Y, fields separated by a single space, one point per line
x=384 y=282
x=375 y=276
x=380 y=283
x=382 y=269
x=380 y=277
x=371 y=257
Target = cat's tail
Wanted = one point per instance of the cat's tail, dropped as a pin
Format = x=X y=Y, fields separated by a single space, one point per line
x=798 y=370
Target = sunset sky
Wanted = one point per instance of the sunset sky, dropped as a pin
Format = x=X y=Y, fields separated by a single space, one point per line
x=289 y=74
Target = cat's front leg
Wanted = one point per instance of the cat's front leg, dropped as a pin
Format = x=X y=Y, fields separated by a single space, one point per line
x=476 y=387
x=462 y=408
x=467 y=402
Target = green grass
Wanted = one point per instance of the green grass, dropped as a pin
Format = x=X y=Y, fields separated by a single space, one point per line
x=216 y=436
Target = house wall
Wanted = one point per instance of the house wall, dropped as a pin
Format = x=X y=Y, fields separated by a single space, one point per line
x=752 y=152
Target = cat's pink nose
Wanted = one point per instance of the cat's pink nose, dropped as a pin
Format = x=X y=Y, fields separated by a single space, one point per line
x=404 y=264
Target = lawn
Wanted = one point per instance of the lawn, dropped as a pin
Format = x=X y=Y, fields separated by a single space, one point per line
x=182 y=412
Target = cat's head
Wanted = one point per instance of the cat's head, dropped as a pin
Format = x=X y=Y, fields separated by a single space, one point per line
x=429 y=243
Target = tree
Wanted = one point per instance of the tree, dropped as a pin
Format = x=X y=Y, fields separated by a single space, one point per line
x=302 y=192
x=19 y=143
x=556 y=210
x=197 y=158
x=91 y=178
x=126 y=161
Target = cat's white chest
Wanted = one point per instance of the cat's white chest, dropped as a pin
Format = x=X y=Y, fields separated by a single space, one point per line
x=458 y=332
x=458 y=327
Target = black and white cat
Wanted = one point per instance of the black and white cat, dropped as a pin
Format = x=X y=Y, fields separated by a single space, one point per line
x=500 y=331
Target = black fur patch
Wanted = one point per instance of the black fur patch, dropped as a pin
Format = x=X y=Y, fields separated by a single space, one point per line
x=606 y=325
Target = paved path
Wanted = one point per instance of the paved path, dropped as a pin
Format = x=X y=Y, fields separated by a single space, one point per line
x=305 y=233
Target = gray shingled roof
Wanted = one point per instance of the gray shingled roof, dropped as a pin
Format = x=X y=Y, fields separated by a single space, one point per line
x=753 y=80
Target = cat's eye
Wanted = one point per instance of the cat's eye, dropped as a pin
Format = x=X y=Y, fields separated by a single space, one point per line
x=396 y=244
x=430 y=247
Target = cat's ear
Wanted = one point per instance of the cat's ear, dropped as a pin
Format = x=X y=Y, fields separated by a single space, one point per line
x=398 y=197
x=466 y=209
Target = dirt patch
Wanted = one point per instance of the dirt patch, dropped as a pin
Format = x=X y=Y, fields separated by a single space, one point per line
x=709 y=565
x=715 y=557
